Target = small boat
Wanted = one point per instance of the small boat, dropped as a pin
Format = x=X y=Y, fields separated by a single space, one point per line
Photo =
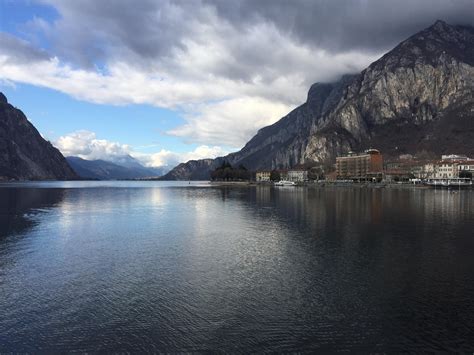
x=285 y=183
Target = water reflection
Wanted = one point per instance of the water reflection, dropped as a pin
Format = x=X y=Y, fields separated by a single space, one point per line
x=138 y=267
x=17 y=207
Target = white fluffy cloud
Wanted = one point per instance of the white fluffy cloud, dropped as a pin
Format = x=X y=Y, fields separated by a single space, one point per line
x=230 y=122
x=85 y=145
x=169 y=158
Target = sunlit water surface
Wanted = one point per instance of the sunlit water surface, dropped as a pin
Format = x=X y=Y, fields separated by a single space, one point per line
x=154 y=266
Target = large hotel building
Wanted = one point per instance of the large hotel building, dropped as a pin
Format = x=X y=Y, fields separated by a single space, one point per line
x=360 y=166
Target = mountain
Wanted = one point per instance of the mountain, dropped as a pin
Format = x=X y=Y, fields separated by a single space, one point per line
x=127 y=168
x=24 y=154
x=192 y=170
x=136 y=167
x=126 y=161
x=416 y=98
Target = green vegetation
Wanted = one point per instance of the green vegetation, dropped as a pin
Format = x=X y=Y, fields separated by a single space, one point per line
x=228 y=173
x=465 y=174
x=275 y=175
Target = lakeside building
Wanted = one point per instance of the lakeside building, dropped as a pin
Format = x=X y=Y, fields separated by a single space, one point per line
x=369 y=166
x=425 y=170
x=467 y=166
x=449 y=169
x=446 y=170
x=263 y=176
x=297 y=175
x=454 y=157
x=360 y=166
x=406 y=169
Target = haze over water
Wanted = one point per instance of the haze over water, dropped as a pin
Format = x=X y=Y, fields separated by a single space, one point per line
x=154 y=266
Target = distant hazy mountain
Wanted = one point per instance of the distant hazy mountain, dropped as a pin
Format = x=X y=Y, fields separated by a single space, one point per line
x=24 y=154
x=416 y=98
x=129 y=168
x=127 y=161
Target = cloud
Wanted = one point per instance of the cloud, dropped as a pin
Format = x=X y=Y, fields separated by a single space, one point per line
x=17 y=51
x=229 y=66
x=218 y=109
x=169 y=158
x=230 y=122
x=85 y=145
x=150 y=30
x=344 y=25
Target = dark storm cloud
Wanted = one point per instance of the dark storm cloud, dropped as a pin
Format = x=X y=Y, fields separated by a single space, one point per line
x=340 y=25
x=146 y=32
x=91 y=30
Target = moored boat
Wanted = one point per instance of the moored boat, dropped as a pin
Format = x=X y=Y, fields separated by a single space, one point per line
x=285 y=183
x=453 y=183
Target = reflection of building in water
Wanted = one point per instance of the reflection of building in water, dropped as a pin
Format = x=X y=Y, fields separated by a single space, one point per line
x=263 y=194
x=360 y=166
x=446 y=206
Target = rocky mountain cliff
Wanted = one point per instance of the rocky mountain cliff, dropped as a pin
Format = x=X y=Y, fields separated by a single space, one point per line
x=24 y=154
x=192 y=170
x=416 y=98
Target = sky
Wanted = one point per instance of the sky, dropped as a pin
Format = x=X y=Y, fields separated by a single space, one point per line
x=169 y=81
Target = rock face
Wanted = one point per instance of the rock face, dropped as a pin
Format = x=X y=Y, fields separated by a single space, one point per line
x=24 y=154
x=192 y=170
x=416 y=98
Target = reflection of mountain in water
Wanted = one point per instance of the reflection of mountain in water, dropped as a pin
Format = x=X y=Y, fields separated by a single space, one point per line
x=17 y=203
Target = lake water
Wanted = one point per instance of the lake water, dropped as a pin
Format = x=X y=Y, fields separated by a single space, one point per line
x=155 y=266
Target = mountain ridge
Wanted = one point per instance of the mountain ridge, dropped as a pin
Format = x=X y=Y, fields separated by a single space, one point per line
x=24 y=153
x=415 y=98
x=123 y=168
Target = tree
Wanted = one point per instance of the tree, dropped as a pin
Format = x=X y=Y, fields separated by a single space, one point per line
x=465 y=174
x=226 y=172
x=316 y=173
x=274 y=175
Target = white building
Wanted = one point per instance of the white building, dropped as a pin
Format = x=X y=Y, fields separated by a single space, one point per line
x=262 y=176
x=466 y=166
x=423 y=171
x=446 y=170
x=429 y=170
x=297 y=175
x=452 y=169
x=452 y=165
x=453 y=157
